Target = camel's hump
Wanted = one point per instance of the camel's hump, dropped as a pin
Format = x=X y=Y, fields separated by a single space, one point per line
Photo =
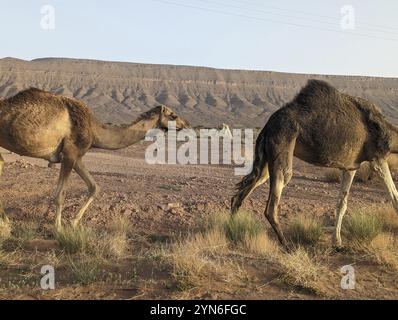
x=314 y=90
x=30 y=94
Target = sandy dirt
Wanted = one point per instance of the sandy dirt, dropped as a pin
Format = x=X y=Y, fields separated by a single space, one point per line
x=164 y=200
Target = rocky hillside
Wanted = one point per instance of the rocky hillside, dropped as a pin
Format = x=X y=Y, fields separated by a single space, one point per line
x=118 y=92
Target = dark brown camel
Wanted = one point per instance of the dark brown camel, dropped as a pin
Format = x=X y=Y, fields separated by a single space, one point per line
x=40 y=124
x=324 y=127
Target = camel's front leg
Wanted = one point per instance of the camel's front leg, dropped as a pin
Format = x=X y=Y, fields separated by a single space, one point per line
x=92 y=189
x=383 y=171
x=2 y=212
x=348 y=177
x=66 y=169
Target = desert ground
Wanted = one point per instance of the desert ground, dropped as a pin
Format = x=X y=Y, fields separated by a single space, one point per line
x=153 y=217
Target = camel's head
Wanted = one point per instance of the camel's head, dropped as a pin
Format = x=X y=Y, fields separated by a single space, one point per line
x=166 y=115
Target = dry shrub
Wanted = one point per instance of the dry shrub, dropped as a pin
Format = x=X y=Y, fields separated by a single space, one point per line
x=260 y=244
x=7 y=258
x=5 y=230
x=387 y=214
x=204 y=257
x=193 y=260
x=364 y=173
x=305 y=230
x=384 y=250
x=114 y=242
x=299 y=269
x=25 y=231
x=110 y=243
x=332 y=175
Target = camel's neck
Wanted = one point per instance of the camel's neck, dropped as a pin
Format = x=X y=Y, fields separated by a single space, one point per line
x=113 y=138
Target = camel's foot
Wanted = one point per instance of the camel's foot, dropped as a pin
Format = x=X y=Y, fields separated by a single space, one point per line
x=337 y=242
x=338 y=245
x=288 y=248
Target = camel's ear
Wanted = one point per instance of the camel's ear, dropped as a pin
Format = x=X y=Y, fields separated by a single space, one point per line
x=162 y=109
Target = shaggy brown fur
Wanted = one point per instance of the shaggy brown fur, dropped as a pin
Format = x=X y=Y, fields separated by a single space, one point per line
x=323 y=127
x=41 y=124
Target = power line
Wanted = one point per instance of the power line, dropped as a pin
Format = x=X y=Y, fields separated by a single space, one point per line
x=312 y=14
x=287 y=16
x=273 y=20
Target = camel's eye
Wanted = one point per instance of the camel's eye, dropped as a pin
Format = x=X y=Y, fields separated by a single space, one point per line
x=173 y=117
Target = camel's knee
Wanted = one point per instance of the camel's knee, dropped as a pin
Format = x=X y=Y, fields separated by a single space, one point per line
x=94 y=190
x=287 y=175
x=272 y=217
x=60 y=199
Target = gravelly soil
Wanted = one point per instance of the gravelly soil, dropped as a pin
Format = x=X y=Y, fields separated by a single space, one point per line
x=168 y=199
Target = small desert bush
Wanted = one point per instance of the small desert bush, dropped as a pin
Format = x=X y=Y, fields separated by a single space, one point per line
x=299 y=269
x=114 y=242
x=388 y=215
x=86 y=269
x=119 y=225
x=216 y=220
x=241 y=226
x=6 y=258
x=364 y=173
x=25 y=231
x=237 y=228
x=332 y=175
x=193 y=260
x=362 y=226
x=305 y=230
x=74 y=240
x=260 y=244
x=384 y=250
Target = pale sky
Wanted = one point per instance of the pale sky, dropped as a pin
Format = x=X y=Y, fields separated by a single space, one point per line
x=275 y=35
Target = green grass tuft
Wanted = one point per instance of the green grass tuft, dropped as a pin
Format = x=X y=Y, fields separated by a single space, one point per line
x=86 y=269
x=362 y=226
x=74 y=240
x=306 y=231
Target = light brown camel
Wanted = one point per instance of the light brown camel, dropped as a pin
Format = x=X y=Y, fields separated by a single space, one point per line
x=40 y=124
x=324 y=127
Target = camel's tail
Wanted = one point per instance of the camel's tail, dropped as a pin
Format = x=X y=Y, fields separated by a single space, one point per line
x=256 y=177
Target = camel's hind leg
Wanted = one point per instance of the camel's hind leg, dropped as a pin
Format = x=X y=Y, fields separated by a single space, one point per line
x=2 y=212
x=348 y=177
x=264 y=178
x=383 y=171
x=92 y=189
x=248 y=187
x=280 y=171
